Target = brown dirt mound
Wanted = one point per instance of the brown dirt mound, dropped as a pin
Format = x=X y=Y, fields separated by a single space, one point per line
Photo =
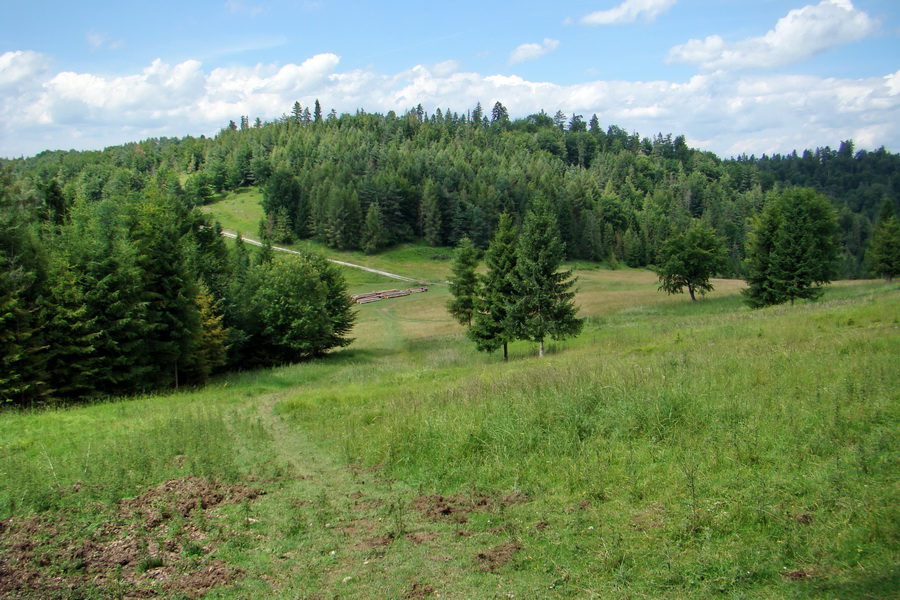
x=497 y=556
x=182 y=497
x=137 y=553
x=456 y=508
x=419 y=590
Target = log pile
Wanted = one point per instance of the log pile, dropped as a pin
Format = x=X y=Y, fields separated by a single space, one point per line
x=385 y=295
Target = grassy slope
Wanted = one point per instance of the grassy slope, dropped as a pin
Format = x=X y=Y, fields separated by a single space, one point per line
x=674 y=449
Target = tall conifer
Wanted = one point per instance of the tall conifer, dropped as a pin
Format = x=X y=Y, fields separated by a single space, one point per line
x=543 y=305
x=491 y=325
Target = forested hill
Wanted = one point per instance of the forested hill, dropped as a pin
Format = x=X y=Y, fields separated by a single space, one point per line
x=370 y=180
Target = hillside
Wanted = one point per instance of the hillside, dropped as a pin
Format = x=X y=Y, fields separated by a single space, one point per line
x=674 y=448
x=370 y=180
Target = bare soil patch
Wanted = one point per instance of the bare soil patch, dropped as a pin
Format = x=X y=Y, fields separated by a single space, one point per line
x=149 y=545
x=497 y=556
x=457 y=508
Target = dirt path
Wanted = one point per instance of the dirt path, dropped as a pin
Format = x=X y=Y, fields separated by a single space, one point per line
x=337 y=262
x=359 y=533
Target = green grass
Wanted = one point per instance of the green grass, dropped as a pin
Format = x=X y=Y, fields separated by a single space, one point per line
x=241 y=211
x=675 y=449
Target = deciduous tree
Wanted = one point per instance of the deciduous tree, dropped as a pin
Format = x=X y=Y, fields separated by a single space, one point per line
x=689 y=259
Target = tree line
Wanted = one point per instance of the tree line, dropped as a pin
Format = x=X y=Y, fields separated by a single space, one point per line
x=367 y=181
x=136 y=290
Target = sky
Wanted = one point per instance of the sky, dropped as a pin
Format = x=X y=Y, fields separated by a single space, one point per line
x=732 y=76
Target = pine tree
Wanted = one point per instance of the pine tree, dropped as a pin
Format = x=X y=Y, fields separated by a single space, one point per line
x=21 y=373
x=71 y=332
x=491 y=326
x=544 y=305
x=477 y=114
x=464 y=284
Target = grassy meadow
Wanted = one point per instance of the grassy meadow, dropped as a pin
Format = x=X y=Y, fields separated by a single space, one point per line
x=674 y=449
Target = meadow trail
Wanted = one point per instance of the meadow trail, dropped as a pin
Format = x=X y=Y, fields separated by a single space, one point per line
x=337 y=262
x=357 y=532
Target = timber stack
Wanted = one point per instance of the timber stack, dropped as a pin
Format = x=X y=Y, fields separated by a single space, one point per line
x=368 y=297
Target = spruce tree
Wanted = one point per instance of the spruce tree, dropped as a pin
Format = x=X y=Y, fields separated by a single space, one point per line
x=884 y=252
x=431 y=214
x=464 y=284
x=168 y=288
x=792 y=249
x=544 y=305
x=491 y=326
x=374 y=235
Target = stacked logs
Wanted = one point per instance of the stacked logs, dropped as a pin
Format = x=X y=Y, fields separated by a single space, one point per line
x=385 y=295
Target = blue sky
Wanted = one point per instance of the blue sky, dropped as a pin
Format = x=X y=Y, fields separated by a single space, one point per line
x=753 y=76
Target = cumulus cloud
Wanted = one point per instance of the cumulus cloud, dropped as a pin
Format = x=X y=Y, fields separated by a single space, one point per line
x=803 y=33
x=728 y=113
x=22 y=68
x=629 y=12
x=532 y=51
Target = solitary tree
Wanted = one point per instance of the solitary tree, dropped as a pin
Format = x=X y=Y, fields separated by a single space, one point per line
x=689 y=259
x=464 y=285
x=491 y=325
x=792 y=249
x=543 y=303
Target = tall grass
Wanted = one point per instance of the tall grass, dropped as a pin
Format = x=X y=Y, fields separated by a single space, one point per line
x=52 y=458
x=717 y=448
x=675 y=449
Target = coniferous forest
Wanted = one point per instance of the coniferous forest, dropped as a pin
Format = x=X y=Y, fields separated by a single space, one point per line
x=112 y=281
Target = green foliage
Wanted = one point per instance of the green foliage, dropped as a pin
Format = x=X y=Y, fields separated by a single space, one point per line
x=792 y=249
x=689 y=259
x=431 y=214
x=491 y=326
x=297 y=307
x=543 y=304
x=464 y=283
x=374 y=236
x=884 y=253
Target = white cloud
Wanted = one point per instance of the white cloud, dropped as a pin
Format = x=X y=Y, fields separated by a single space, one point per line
x=803 y=33
x=629 y=12
x=726 y=113
x=532 y=51
x=446 y=68
x=97 y=41
x=21 y=69
x=239 y=7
